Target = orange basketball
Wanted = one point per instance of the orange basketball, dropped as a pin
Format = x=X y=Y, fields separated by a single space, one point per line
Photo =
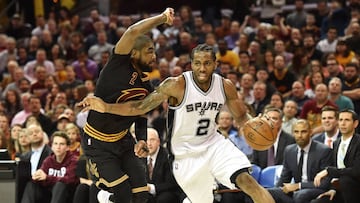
x=259 y=133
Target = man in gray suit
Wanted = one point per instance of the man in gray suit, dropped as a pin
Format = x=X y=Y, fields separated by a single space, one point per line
x=264 y=158
x=302 y=161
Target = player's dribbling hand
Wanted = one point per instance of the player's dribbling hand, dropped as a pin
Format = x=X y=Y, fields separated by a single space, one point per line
x=169 y=13
x=141 y=150
x=92 y=103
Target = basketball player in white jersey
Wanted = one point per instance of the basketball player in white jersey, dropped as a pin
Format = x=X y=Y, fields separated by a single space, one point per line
x=201 y=154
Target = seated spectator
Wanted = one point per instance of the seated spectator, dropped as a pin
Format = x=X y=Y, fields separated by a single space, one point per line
x=315 y=78
x=312 y=108
x=24 y=144
x=55 y=181
x=328 y=45
x=101 y=46
x=32 y=160
x=343 y=53
x=335 y=95
x=30 y=67
x=329 y=121
x=13 y=144
x=225 y=125
x=346 y=157
x=226 y=55
x=161 y=183
x=277 y=100
x=74 y=134
x=84 y=67
x=274 y=155
x=289 y=118
x=302 y=161
x=281 y=77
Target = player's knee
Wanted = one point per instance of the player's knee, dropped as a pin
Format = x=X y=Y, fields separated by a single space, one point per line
x=141 y=197
x=239 y=176
x=244 y=181
x=122 y=192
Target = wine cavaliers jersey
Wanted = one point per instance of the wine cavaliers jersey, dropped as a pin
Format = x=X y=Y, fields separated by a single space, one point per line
x=118 y=82
x=192 y=124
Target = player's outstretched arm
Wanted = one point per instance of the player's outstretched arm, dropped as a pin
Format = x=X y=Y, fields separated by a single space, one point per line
x=136 y=107
x=126 y=42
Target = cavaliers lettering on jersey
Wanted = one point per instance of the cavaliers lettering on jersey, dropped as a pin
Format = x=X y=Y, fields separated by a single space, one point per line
x=192 y=124
x=118 y=82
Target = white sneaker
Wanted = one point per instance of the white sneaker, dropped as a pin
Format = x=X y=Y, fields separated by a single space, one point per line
x=103 y=196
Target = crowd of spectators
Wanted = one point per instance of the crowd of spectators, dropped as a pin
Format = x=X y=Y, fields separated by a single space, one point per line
x=298 y=62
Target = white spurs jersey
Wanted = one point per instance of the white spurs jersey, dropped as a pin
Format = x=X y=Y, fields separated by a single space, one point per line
x=192 y=124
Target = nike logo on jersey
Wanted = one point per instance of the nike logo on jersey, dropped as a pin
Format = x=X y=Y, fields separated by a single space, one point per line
x=202 y=107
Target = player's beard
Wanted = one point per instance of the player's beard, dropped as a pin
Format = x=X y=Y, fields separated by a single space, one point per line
x=145 y=67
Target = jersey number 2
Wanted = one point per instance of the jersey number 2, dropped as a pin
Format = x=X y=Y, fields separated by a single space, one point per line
x=203 y=127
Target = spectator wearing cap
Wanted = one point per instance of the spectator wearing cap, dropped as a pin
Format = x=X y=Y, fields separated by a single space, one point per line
x=16 y=28
x=62 y=121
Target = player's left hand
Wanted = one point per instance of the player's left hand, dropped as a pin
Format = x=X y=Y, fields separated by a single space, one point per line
x=141 y=150
x=169 y=13
x=92 y=103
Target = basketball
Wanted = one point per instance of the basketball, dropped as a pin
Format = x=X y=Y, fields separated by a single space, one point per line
x=259 y=133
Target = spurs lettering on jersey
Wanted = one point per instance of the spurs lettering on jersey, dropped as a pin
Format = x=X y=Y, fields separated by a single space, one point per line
x=56 y=172
x=202 y=107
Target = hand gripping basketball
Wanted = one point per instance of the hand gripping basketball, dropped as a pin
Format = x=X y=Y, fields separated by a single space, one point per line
x=260 y=133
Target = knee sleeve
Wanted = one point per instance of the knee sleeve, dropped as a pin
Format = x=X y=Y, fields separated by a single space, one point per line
x=122 y=192
x=141 y=197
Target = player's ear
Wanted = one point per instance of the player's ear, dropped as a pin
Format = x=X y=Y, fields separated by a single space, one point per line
x=133 y=53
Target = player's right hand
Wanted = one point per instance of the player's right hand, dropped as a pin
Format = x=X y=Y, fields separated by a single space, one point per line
x=169 y=13
x=92 y=103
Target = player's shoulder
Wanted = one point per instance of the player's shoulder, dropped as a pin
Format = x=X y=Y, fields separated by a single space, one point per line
x=173 y=81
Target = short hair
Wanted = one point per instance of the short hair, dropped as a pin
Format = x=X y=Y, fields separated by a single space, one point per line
x=71 y=126
x=302 y=121
x=60 y=134
x=331 y=108
x=141 y=41
x=205 y=48
x=353 y=113
x=353 y=65
x=269 y=108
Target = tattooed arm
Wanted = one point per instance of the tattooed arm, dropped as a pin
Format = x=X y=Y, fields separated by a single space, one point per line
x=165 y=91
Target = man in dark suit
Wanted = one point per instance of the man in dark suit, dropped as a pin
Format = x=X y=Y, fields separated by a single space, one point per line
x=265 y=158
x=31 y=161
x=302 y=161
x=347 y=161
x=161 y=182
x=329 y=121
